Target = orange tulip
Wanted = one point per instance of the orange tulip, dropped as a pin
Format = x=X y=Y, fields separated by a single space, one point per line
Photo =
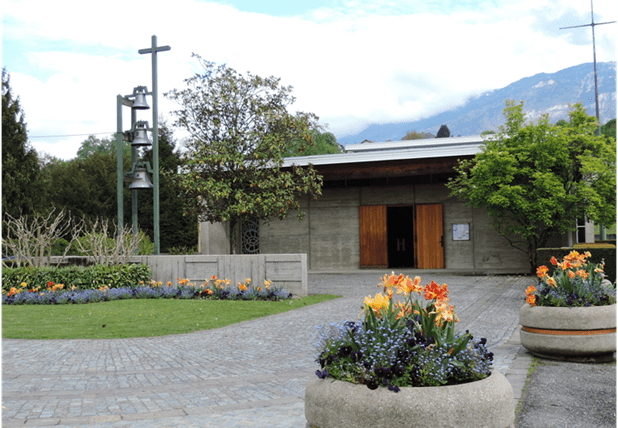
x=541 y=272
x=377 y=304
x=407 y=286
x=434 y=291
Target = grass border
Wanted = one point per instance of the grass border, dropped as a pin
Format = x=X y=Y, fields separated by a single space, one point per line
x=133 y=318
x=531 y=369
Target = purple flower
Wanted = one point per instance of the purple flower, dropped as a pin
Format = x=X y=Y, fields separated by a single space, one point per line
x=399 y=371
x=322 y=374
x=344 y=351
x=372 y=384
x=394 y=388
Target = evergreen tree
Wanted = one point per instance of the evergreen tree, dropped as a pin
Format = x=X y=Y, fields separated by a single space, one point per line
x=21 y=173
x=176 y=229
x=87 y=187
x=443 y=132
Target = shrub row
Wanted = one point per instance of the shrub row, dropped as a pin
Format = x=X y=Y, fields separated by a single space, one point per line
x=82 y=278
x=599 y=252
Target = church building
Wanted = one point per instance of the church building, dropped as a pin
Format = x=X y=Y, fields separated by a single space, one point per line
x=385 y=205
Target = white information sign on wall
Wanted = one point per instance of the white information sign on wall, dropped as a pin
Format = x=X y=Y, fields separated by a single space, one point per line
x=461 y=232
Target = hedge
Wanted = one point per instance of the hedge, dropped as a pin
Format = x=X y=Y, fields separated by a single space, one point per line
x=83 y=278
x=598 y=251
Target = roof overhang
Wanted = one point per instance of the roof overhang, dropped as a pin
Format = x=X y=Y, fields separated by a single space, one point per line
x=421 y=157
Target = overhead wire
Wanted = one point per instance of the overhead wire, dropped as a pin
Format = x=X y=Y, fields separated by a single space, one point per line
x=71 y=135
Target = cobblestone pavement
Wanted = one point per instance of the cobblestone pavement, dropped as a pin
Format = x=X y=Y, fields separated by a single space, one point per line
x=251 y=374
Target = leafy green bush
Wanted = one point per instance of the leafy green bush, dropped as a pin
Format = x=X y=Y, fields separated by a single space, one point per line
x=146 y=246
x=60 y=246
x=587 y=246
x=182 y=250
x=82 y=278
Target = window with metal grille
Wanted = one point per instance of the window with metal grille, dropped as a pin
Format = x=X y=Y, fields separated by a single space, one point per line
x=250 y=236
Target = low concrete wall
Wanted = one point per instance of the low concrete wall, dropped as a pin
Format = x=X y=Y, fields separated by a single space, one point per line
x=286 y=270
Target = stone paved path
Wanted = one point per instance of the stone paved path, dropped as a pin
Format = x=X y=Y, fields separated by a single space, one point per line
x=250 y=374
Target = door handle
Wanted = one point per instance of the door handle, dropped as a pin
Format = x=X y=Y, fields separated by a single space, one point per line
x=401 y=244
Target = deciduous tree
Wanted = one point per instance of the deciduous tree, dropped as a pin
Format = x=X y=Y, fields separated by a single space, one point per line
x=323 y=144
x=534 y=180
x=92 y=145
x=240 y=129
x=609 y=129
x=413 y=135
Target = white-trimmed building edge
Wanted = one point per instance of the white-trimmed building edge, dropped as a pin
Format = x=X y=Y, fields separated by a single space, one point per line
x=395 y=178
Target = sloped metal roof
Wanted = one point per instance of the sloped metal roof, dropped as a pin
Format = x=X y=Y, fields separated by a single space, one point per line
x=404 y=150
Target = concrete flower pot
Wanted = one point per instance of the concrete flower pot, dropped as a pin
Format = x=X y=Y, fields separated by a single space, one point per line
x=336 y=404
x=581 y=334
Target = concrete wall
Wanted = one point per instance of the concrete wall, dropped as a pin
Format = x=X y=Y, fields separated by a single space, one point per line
x=214 y=238
x=286 y=270
x=334 y=239
x=329 y=233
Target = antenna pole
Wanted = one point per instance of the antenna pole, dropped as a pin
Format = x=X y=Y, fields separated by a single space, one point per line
x=594 y=57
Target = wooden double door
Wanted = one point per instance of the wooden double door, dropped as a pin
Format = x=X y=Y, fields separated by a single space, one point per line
x=401 y=236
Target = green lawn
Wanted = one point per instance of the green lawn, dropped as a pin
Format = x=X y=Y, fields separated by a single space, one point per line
x=608 y=229
x=137 y=317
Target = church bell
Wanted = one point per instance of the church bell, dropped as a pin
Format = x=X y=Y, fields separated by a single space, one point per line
x=141 y=135
x=139 y=103
x=140 y=179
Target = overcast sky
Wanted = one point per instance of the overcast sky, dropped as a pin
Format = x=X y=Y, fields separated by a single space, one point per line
x=351 y=62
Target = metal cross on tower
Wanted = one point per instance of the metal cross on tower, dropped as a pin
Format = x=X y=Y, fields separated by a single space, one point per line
x=594 y=53
x=155 y=139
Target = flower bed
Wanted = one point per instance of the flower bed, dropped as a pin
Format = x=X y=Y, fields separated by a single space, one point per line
x=214 y=288
x=572 y=314
x=442 y=377
x=403 y=344
x=573 y=283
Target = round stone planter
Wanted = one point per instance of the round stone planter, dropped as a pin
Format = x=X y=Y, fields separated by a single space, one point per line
x=581 y=334
x=336 y=404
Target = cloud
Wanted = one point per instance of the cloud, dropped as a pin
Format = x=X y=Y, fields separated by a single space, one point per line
x=353 y=63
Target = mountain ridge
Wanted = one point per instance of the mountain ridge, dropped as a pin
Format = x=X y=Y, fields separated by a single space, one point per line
x=550 y=93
